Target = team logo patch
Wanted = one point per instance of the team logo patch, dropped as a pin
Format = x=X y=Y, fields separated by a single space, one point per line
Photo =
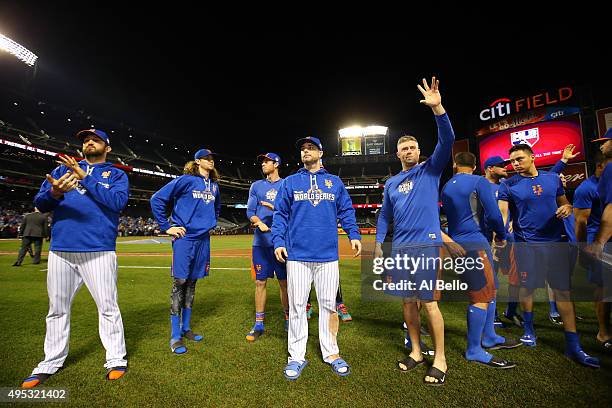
x=529 y=137
x=105 y=174
x=405 y=187
x=80 y=189
x=537 y=190
x=258 y=267
x=214 y=188
x=328 y=183
x=271 y=195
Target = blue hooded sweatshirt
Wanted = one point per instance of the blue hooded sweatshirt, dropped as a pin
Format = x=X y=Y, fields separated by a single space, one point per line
x=86 y=218
x=306 y=213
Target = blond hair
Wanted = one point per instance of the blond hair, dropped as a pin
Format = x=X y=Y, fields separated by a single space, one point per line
x=407 y=138
x=193 y=168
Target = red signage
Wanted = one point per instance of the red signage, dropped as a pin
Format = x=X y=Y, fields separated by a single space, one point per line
x=547 y=139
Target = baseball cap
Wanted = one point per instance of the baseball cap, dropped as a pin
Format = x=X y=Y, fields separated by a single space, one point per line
x=272 y=156
x=203 y=153
x=97 y=132
x=309 y=139
x=496 y=161
x=607 y=136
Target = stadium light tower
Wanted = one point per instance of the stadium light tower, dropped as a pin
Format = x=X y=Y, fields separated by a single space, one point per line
x=17 y=50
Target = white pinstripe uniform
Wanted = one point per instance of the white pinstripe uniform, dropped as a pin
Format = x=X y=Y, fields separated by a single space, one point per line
x=300 y=276
x=82 y=251
x=67 y=272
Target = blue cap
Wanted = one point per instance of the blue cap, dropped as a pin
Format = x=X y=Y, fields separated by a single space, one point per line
x=203 y=153
x=496 y=161
x=607 y=136
x=309 y=139
x=272 y=156
x=102 y=135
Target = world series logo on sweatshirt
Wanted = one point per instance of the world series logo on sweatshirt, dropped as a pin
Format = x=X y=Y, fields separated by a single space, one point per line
x=205 y=196
x=271 y=195
x=314 y=193
x=405 y=187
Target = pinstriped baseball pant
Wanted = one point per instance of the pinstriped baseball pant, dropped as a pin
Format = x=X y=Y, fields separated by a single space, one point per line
x=300 y=276
x=67 y=271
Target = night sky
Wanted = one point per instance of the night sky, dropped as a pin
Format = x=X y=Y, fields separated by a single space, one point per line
x=180 y=75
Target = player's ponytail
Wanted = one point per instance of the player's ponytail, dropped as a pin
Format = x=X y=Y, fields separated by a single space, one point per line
x=192 y=168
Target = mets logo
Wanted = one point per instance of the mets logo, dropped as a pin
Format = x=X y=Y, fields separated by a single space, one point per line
x=105 y=174
x=405 y=187
x=328 y=183
x=529 y=137
x=258 y=267
x=271 y=195
x=537 y=190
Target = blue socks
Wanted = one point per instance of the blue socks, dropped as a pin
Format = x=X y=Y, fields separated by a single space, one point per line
x=511 y=309
x=528 y=323
x=259 y=321
x=553 y=309
x=490 y=337
x=175 y=322
x=186 y=318
x=476 y=320
x=572 y=343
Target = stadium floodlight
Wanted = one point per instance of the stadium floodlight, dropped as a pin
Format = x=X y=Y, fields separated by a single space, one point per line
x=375 y=130
x=353 y=131
x=18 y=50
x=357 y=131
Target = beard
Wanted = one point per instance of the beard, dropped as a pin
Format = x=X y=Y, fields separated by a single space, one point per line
x=93 y=153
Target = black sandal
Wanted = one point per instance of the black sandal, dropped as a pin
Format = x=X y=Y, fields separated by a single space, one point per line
x=437 y=374
x=408 y=364
x=497 y=363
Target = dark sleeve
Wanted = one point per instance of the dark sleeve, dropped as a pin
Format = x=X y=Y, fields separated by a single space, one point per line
x=385 y=216
x=161 y=200
x=252 y=202
x=115 y=197
x=493 y=217
x=560 y=190
x=346 y=213
x=503 y=193
x=280 y=219
x=218 y=203
x=44 y=201
x=444 y=148
x=558 y=167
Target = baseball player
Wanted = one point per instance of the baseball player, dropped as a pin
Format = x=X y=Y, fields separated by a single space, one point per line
x=86 y=198
x=305 y=235
x=593 y=219
x=536 y=202
x=467 y=202
x=410 y=201
x=196 y=204
x=260 y=208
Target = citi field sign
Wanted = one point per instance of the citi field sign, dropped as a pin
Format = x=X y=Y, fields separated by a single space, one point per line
x=504 y=106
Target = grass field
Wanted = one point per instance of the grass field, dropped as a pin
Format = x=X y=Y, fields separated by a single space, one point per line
x=225 y=370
